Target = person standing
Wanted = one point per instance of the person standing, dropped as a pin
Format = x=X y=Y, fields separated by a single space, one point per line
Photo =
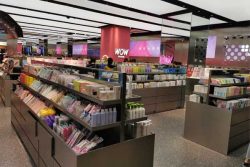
x=247 y=160
x=110 y=66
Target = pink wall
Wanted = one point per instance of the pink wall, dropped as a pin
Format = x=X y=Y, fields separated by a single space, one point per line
x=112 y=38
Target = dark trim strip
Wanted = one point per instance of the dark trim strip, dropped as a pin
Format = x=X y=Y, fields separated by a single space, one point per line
x=104 y=2
x=110 y=14
x=59 y=27
x=150 y=33
x=34 y=17
x=51 y=30
x=185 y=11
x=177 y=20
x=223 y=25
x=54 y=33
x=198 y=11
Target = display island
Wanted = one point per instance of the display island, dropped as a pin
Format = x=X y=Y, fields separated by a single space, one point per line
x=65 y=119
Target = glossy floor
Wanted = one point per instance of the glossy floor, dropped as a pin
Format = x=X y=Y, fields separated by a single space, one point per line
x=171 y=149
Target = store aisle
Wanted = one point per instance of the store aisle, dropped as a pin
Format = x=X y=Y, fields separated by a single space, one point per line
x=12 y=153
x=172 y=150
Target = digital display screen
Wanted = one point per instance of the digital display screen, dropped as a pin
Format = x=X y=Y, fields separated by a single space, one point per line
x=80 y=49
x=147 y=48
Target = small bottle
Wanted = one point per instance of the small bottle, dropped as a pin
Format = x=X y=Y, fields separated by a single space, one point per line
x=114 y=116
x=143 y=111
x=102 y=117
x=133 y=112
x=129 y=114
x=106 y=116
x=137 y=111
x=110 y=114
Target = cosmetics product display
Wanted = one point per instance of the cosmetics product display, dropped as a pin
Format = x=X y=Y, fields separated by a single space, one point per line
x=198 y=72
x=195 y=98
x=201 y=89
x=70 y=62
x=140 y=129
x=228 y=91
x=80 y=141
x=234 y=105
x=220 y=106
x=135 y=68
x=153 y=84
x=221 y=81
x=163 y=77
x=135 y=110
x=93 y=115
x=65 y=78
x=33 y=102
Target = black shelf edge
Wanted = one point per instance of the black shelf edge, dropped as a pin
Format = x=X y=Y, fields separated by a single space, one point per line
x=80 y=121
x=157 y=81
x=154 y=73
x=136 y=120
x=233 y=84
x=230 y=97
x=90 y=98
x=146 y=73
x=134 y=98
x=199 y=93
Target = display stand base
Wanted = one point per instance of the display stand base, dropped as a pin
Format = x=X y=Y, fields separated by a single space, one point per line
x=215 y=128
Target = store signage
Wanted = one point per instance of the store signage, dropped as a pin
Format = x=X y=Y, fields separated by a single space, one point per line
x=121 y=53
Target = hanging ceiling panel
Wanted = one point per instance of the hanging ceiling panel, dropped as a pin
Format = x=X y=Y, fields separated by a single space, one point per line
x=73 y=12
x=30 y=13
x=56 y=29
x=152 y=6
x=232 y=9
x=123 y=13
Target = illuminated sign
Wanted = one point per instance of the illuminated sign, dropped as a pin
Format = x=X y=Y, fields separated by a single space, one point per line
x=121 y=53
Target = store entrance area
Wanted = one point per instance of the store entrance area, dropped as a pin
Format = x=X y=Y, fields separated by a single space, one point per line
x=171 y=149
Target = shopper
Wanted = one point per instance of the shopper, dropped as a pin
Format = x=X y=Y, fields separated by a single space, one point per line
x=247 y=161
x=110 y=65
x=92 y=63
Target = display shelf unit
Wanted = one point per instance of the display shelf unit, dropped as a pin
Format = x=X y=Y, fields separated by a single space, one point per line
x=161 y=99
x=87 y=97
x=229 y=97
x=217 y=128
x=72 y=116
x=233 y=84
x=46 y=148
x=156 y=80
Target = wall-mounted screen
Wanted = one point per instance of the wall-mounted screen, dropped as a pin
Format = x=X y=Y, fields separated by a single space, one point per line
x=58 y=50
x=147 y=48
x=80 y=49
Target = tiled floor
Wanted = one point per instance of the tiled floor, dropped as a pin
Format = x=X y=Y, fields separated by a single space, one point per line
x=12 y=153
x=171 y=149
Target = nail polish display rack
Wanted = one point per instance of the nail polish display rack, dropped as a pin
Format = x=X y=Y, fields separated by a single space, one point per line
x=47 y=149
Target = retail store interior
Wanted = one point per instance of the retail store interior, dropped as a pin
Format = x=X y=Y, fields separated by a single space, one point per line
x=114 y=83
